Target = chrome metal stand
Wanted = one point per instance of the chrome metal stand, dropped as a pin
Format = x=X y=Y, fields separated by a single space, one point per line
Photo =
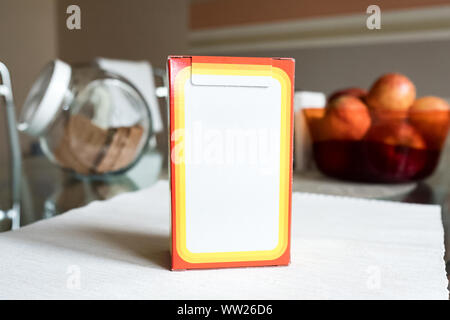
x=16 y=161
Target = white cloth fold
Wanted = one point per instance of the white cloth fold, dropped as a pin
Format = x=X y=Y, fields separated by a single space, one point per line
x=341 y=249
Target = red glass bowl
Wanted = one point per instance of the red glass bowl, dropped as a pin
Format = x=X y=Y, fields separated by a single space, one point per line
x=396 y=148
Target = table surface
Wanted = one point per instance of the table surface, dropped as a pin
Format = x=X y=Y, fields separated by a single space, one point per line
x=48 y=191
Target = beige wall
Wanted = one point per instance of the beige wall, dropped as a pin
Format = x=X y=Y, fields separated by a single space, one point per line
x=136 y=29
x=33 y=32
x=27 y=41
x=205 y=14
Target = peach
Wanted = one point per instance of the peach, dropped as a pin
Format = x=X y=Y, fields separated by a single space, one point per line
x=391 y=95
x=346 y=118
x=397 y=133
x=356 y=92
x=431 y=116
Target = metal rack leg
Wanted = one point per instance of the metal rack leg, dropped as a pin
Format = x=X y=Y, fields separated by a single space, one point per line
x=16 y=161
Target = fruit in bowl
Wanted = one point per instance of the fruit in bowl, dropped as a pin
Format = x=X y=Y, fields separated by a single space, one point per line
x=383 y=135
x=396 y=133
x=354 y=91
x=431 y=116
x=346 y=118
x=394 y=149
x=391 y=96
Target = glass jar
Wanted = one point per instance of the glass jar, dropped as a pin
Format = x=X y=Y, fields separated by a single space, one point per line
x=88 y=120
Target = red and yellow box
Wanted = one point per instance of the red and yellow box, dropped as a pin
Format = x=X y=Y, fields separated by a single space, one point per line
x=230 y=161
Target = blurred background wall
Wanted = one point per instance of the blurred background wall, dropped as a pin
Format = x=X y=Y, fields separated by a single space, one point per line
x=206 y=14
x=329 y=39
x=28 y=40
x=135 y=30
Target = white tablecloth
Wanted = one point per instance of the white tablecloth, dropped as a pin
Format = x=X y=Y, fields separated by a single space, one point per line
x=341 y=248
